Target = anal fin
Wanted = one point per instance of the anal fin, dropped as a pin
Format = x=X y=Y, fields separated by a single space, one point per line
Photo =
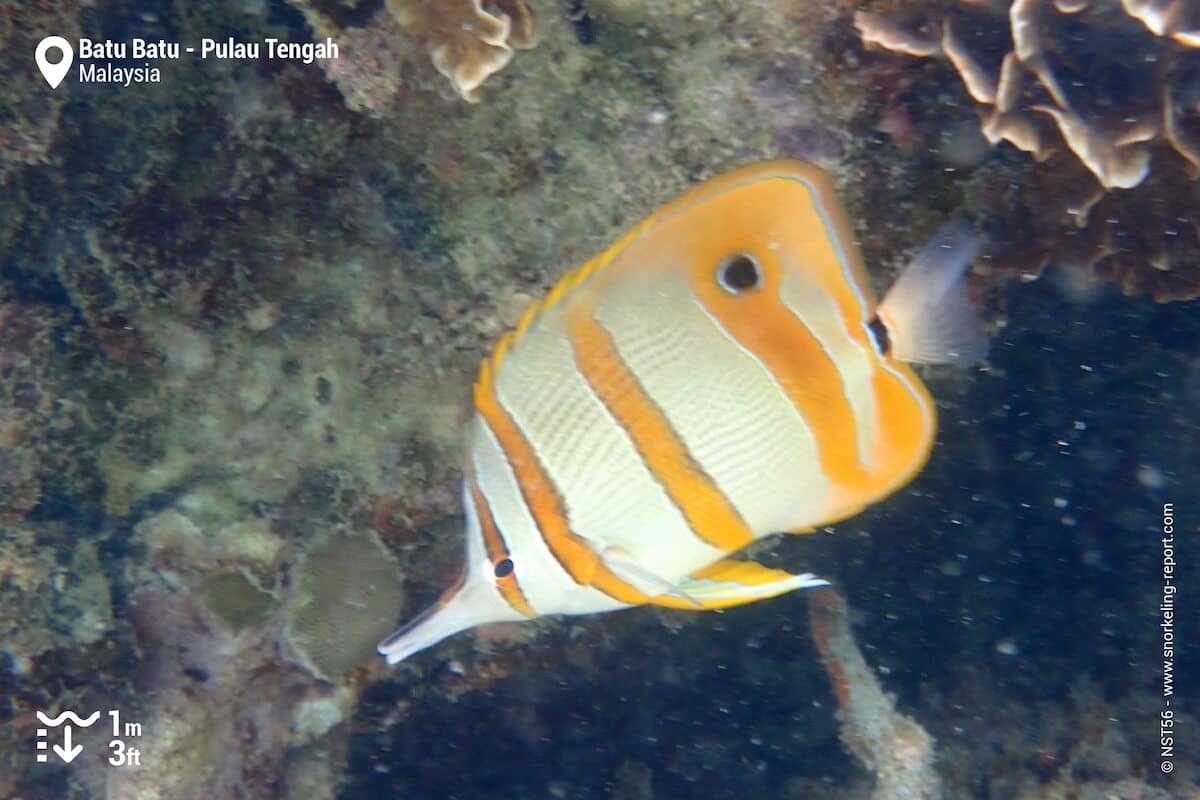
x=729 y=583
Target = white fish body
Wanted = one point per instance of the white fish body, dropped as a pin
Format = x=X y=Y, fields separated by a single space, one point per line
x=719 y=374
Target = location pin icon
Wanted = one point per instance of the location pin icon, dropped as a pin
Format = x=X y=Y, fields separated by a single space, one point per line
x=54 y=72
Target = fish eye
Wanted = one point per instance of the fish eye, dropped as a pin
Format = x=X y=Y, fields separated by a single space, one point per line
x=738 y=273
x=504 y=568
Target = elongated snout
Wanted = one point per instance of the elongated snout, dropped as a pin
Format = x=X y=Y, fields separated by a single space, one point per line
x=474 y=600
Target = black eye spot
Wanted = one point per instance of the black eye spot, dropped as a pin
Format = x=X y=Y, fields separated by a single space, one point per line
x=738 y=273
x=504 y=568
x=879 y=333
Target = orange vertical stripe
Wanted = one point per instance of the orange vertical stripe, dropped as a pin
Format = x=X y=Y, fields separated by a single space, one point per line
x=573 y=552
x=497 y=550
x=764 y=326
x=708 y=512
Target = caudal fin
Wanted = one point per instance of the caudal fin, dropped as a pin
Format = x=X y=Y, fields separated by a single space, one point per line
x=927 y=313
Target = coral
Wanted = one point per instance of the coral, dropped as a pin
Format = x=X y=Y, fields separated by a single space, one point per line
x=346 y=597
x=894 y=747
x=366 y=73
x=227 y=717
x=285 y=417
x=1075 y=748
x=236 y=600
x=1123 y=789
x=466 y=41
x=371 y=58
x=1102 y=96
x=176 y=541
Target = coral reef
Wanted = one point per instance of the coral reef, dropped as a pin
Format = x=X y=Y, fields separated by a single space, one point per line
x=1101 y=95
x=228 y=713
x=225 y=716
x=58 y=626
x=466 y=41
x=239 y=321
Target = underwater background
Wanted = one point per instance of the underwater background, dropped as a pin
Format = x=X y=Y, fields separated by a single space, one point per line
x=242 y=306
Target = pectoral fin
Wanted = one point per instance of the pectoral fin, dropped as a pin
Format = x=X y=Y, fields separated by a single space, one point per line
x=729 y=583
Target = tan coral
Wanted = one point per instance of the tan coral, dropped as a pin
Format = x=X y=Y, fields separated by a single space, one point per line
x=882 y=32
x=1008 y=90
x=1095 y=147
x=467 y=42
x=1109 y=155
x=1174 y=18
x=1113 y=166
x=981 y=86
x=1007 y=124
x=1025 y=21
x=1018 y=131
x=1181 y=140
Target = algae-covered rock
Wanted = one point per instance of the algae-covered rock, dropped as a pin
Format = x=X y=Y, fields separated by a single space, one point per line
x=346 y=597
x=46 y=605
x=185 y=538
x=49 y=414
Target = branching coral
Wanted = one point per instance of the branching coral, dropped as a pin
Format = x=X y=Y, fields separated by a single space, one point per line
x=1102 y=94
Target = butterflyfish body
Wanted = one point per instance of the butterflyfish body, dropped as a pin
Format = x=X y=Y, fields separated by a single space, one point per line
x=719 y=374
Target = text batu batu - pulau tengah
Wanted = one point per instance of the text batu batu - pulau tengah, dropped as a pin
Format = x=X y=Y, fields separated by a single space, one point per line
x=230 y=48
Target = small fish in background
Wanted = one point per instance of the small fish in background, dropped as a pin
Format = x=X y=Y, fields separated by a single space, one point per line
x=720 y=374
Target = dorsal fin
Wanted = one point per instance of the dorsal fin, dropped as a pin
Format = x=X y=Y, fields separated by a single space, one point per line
x=784 y=167
x=557 y=294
